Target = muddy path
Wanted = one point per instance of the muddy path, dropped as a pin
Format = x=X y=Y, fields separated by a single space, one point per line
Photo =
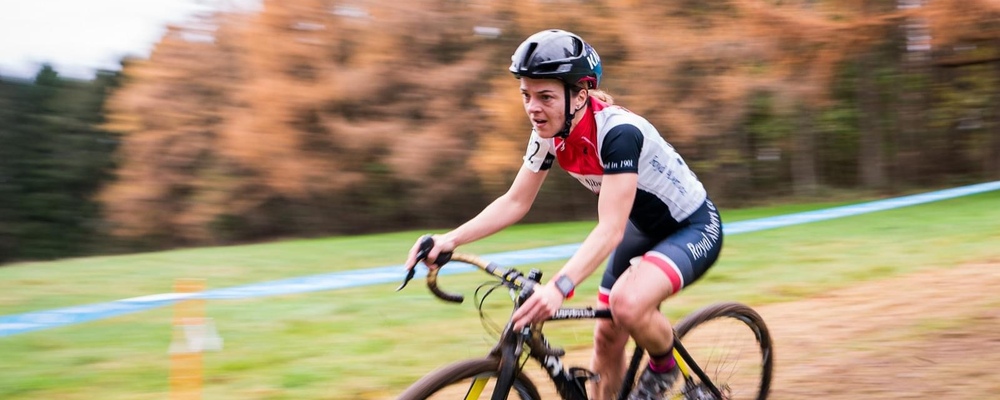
x=930 y=334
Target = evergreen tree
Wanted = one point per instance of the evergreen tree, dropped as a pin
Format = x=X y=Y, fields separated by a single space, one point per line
x=52 y=159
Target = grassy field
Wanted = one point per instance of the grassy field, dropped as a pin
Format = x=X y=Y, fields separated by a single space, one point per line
x=370 y=342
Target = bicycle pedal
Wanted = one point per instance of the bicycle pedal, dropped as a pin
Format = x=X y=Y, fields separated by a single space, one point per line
x=583 y=374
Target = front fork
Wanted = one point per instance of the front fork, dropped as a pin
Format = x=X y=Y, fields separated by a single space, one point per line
x=509 y=350
x=570 y=383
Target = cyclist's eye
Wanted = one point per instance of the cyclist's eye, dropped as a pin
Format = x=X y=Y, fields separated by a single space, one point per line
x=544 y=98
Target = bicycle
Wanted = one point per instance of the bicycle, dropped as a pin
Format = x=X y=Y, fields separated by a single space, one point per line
x=712 y=377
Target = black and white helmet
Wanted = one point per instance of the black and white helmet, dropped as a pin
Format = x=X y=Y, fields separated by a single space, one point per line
x=557 y=54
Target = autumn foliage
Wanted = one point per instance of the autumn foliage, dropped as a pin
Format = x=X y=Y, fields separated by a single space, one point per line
x=314 y=117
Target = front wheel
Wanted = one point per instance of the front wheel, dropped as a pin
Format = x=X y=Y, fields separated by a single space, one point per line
x=469 y=379
x=731 y=344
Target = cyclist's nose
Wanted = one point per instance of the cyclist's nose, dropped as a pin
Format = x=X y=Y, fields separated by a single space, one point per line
x=533 y=107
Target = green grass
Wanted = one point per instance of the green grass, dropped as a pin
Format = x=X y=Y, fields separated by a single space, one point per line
x=370 y=342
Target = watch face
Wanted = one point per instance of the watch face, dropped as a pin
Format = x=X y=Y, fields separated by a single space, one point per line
x=565 y=285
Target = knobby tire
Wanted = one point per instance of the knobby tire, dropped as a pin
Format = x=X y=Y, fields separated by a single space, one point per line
x=440 y=380
x=714 y=365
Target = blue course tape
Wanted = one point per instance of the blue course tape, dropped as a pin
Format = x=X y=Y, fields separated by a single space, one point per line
x=32 y=321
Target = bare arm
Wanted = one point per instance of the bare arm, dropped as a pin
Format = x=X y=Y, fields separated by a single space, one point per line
x=614 y=205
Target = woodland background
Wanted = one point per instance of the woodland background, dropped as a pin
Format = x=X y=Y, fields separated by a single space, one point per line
x=313 y=118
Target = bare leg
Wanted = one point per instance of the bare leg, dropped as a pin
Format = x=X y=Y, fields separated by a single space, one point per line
x=609 y=359
x=634 y=302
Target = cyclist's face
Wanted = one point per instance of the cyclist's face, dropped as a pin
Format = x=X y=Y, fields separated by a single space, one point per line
x=545 y=104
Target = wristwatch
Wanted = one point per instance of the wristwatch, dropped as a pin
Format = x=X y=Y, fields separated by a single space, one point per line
x=565 y=285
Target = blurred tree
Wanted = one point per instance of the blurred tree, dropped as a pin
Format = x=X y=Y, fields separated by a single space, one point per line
x=307 y=118
x=314 y=117
x=871 y=157
x=52 y=160
x=804 y=158
x=169 y=172
x=966 y=91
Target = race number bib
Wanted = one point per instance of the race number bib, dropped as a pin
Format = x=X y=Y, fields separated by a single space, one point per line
x=538 y=156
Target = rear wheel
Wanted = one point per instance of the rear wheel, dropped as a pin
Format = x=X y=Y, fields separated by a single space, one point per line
x=470 y=379
x=731 y=344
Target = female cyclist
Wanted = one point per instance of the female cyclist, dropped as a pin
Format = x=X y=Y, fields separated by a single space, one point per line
x=656 y=225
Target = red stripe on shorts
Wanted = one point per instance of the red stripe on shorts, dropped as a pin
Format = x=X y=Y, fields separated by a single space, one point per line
x=604 y=296
x=668 y=267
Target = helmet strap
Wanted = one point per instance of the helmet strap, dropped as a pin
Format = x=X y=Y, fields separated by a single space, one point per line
x=564 y=132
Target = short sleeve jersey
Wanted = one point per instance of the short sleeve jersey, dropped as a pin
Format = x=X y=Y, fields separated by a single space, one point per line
x=613 y=140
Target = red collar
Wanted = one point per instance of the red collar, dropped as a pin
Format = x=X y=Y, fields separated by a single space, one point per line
x=587 y=127
x=578 y=153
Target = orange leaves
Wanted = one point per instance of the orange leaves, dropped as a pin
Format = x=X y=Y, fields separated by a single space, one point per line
x=311 y=99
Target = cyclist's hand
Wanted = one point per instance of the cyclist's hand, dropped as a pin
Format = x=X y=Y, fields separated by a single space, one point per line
x=441 y=245
x=542 y=304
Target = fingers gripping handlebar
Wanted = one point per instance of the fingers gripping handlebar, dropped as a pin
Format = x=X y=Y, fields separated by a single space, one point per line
x=511 y=278
x=423 y=251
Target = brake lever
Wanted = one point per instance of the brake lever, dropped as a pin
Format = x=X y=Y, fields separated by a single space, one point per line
x=409 y=276
x=426 y=245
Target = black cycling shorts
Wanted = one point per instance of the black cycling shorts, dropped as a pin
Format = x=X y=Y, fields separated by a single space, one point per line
x=684 y=254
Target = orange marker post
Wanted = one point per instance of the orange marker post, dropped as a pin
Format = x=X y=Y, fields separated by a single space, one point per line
x=185 y=358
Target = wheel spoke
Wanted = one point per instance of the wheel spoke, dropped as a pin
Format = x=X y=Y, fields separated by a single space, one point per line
x=730 y=343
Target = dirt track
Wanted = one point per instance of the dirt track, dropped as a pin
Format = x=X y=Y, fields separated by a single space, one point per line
x=927 y=335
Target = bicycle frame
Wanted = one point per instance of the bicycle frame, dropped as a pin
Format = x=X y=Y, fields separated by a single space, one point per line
x=688 y=366
x=569 y=383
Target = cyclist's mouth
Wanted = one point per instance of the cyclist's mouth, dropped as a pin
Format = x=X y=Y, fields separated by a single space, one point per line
x=539 y=123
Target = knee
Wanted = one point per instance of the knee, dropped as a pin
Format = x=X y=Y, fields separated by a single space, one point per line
x=629 y=312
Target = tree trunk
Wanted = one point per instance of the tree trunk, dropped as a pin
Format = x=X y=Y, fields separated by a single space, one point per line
x=912 y=145
x=871 y=164
x=993 y=157
x=804 y=154
x=736 y=158
x=871 y=168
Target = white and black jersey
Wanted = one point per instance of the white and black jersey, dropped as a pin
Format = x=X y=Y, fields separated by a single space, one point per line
x=611 y=140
